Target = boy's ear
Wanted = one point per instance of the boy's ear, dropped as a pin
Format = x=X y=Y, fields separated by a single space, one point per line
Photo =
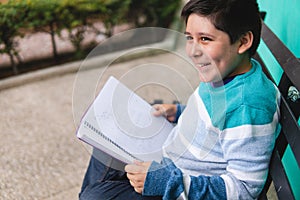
x=246 y=42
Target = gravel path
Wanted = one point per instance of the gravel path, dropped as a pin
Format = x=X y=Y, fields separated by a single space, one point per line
x=40 y=157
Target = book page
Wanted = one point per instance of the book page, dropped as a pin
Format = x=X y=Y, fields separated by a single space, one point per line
x=126 y=123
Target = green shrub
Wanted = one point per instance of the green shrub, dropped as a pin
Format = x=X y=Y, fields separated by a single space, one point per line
x=76 y=16
x=11 y=22
x=45 y=16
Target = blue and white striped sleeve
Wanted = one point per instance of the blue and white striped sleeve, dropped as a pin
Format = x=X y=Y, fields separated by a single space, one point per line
x=171 y=183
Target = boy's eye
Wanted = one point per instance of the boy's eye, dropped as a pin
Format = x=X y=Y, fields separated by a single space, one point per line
x=205 y=39
x=188 y=37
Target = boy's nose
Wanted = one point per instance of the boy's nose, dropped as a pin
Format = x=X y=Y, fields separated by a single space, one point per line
x=194 y=49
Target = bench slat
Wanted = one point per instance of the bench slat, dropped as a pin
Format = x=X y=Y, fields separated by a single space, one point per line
x=284 y=86
x=286 y=59
x=291 y=129
x=280 y=180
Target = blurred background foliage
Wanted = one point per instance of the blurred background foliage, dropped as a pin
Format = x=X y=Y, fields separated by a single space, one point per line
x=20 y=17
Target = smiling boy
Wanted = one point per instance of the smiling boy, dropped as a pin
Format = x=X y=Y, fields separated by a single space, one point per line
x=221 y=146
x=222 y=143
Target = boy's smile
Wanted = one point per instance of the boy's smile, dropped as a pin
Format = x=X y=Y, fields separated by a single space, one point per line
x=211 y=51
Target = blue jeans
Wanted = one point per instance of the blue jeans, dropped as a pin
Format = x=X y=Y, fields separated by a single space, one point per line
x=103 y=181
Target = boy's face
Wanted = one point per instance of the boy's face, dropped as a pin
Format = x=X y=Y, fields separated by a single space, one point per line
x=210 y=50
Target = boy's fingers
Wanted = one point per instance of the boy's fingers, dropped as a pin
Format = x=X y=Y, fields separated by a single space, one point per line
x=139 y=163
x=136 y=179
x=139 y=189
x=129 y=168
x=159 y=110
x=135 y=168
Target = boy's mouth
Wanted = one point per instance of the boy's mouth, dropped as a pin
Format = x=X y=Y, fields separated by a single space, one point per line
x=200 y=65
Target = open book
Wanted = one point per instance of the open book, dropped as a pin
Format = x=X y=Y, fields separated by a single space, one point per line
x=120 y=123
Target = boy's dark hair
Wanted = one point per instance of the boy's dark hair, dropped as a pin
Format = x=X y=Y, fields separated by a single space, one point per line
x=234 y=17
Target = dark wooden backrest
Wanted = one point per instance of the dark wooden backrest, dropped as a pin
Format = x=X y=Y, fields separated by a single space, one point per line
x=290 y=110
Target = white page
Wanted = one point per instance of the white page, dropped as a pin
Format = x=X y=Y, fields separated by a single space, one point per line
x=127 y=120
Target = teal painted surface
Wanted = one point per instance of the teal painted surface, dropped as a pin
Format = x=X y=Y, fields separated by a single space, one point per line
x=272 y=65
x=283 y=17
x=292 y=170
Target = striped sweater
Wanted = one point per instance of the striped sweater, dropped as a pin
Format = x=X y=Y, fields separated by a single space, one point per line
x=222 y=143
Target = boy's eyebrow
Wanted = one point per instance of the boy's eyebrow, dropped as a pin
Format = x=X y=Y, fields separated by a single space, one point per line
x=200 y=34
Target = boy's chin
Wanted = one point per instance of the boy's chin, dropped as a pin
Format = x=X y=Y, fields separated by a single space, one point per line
x=208 y=79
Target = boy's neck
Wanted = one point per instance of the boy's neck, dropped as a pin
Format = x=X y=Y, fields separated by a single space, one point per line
x=223 y=82
x=242 y=68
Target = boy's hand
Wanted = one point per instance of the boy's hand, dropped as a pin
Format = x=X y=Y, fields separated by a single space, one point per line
x=136 y=174
x=166 y=110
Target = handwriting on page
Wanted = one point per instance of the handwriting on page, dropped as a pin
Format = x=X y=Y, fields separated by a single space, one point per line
x=139 y=112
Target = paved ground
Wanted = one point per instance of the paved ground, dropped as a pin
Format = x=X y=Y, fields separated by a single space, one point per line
x=40 y=157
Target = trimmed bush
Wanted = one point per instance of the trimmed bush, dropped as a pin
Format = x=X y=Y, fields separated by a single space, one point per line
x=11 y=24
x=76 y=16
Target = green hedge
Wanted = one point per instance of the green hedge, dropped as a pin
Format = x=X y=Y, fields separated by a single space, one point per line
x=11 y=22
x=76 y=16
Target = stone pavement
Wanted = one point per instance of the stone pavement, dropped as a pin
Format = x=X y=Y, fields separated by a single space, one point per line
x=40 y=156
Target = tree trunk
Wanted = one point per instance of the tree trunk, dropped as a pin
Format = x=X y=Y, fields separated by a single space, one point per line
x=13 y=63
x=54 y=48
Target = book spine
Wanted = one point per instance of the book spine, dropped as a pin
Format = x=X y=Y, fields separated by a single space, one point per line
x=92 y=128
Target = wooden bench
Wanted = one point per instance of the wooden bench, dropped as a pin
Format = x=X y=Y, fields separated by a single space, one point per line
x=290 y=111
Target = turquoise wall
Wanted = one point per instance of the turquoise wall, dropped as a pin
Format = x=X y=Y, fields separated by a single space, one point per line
x=283 y=17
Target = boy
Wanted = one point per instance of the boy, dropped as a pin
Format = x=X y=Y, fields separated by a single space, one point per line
x=221 y=146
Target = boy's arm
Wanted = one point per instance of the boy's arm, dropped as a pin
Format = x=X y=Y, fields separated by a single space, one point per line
x=169 y=182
